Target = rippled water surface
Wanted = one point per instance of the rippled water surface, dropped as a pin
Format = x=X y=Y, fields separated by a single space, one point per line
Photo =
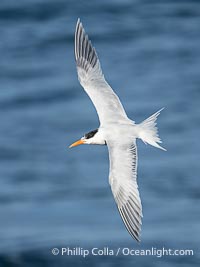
x=51 y=196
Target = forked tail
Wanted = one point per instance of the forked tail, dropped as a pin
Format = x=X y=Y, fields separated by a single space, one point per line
x=148 y=132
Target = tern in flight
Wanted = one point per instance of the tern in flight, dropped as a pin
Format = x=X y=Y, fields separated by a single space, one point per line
x=116 y=131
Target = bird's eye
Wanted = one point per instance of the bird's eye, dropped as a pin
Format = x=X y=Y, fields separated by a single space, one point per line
x=90 y=134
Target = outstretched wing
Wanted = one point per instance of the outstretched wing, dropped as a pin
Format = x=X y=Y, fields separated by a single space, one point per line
x=106 y=102
x=123 y=182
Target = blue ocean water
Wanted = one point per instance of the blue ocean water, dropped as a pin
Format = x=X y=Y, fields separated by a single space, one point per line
x=51 y=196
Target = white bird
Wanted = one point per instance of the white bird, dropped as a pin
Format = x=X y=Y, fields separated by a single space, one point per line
x=116 y=131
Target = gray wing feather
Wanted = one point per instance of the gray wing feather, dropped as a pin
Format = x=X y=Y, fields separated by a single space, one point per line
x=123 y=181
x=85 y=54
x=106 y=102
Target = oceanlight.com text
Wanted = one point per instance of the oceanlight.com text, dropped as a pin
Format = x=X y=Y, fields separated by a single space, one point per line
x=107 y=251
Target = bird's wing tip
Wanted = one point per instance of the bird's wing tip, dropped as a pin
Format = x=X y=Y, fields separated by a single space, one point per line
x=79 y=23
x=161 y=109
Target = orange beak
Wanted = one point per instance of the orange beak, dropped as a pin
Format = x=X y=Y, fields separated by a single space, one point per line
x=77 y=143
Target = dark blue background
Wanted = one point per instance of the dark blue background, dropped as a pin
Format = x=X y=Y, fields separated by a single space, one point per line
x=51 y=196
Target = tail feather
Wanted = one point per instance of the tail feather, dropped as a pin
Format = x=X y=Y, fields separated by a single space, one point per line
x=148 y=131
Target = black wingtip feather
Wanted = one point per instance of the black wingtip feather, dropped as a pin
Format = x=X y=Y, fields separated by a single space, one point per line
x=85 y=53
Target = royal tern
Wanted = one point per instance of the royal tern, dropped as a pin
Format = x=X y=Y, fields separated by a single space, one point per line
x=116 y=131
